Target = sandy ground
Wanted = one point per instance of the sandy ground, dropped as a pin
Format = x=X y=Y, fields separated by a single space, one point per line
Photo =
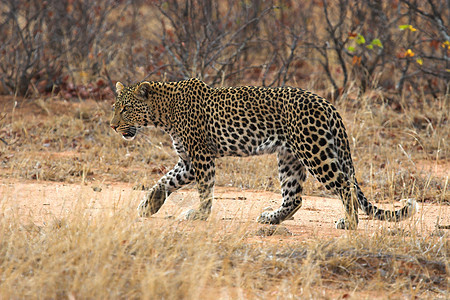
x=44 y=202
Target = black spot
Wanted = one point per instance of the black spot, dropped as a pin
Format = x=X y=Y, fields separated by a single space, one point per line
x=333 y=167
x=317 y=160
x=315 y=149
x=340 y=179
x=298 y=167
x=329 y=152
x=323 y=156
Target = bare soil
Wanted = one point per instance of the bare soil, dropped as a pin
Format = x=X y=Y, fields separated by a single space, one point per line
x=42 y=203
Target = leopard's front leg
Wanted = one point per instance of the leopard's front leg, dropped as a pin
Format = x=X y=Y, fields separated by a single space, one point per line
x=204 y=175
x=181 y=174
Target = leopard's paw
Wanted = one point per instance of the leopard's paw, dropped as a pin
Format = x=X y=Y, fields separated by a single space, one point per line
x=345 y=224
x=193 y=214
x=268 y=217
x=143 y=209
x=152 y=202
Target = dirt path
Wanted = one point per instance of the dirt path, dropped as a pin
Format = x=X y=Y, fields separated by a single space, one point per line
x=44 y=202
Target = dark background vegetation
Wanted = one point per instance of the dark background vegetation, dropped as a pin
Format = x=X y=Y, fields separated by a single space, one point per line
x=80 y=48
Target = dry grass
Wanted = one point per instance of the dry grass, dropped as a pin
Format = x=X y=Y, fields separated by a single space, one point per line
x=397 y=154
x=110 y=254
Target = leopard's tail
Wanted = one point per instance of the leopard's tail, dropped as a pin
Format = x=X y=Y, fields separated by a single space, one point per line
x=410 y=208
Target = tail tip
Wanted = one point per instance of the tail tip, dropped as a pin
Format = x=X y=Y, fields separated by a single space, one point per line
x=412 y=205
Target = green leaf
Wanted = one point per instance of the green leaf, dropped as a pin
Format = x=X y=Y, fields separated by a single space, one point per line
x=370 y=47
x=376 y=42
x=419 y=61
x=360 y=39
x=403 y=27
x=351 y=49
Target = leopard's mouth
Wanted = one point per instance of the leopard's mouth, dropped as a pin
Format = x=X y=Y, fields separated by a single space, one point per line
x=130 y=133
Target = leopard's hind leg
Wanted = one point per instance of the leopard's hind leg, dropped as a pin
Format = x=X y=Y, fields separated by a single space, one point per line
x=332 y=172
x=292 y=174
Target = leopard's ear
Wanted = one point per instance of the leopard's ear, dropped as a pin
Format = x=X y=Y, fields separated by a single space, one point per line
x=119 y=87
x=143 y=89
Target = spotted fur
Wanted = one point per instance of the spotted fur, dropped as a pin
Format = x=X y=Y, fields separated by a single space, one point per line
x=305 y=131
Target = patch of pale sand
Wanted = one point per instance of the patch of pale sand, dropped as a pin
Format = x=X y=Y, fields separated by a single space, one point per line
x=233 y=209
x=439 y=169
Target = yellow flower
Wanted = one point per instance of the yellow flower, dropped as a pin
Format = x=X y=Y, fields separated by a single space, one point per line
x=407 y=26
x=446 y=44
x=409 y=53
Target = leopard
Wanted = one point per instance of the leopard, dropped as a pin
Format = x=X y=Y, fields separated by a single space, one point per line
x=304 y=130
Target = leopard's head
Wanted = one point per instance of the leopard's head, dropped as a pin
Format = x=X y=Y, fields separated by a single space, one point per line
x=132 y=109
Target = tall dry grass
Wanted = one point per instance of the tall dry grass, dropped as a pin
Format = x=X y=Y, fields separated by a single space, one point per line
x=111 y=254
